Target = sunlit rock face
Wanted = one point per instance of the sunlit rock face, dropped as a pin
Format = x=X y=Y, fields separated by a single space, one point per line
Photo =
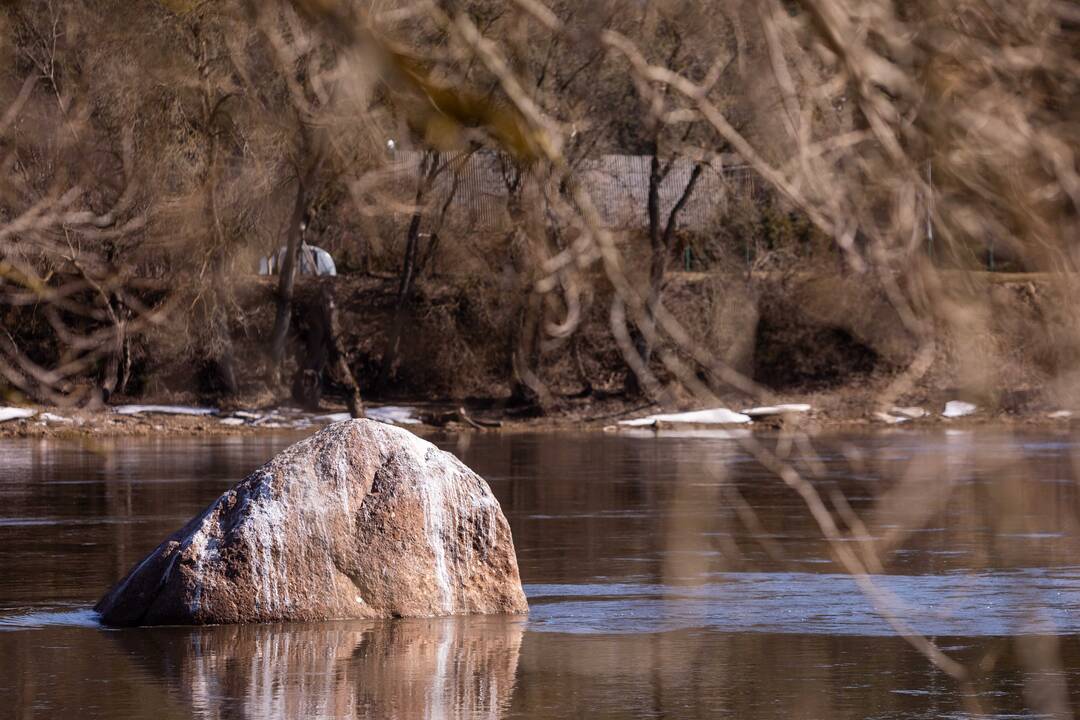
x=362 y=520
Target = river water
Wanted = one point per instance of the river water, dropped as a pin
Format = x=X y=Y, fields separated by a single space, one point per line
x=669 y=577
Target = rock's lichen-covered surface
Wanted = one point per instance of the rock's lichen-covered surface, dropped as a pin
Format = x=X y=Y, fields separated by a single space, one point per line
x=362 y=520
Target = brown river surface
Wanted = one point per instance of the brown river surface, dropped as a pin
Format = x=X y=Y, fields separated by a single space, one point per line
x=669 y=577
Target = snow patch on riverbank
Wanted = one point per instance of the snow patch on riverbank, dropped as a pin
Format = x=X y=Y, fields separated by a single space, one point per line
x=14 y=413
x=774 y=410
x=958 y=408
x=715 y=416
x=163 y=410
x=390 y=414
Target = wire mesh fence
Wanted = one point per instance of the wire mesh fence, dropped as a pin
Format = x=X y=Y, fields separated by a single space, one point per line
x=618 y=184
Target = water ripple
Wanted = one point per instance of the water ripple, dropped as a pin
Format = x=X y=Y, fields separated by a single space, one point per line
x=1019 y=602
x=1028 y=601
x=76 y=617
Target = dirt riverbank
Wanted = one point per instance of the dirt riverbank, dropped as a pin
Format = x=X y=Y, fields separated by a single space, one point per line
x=831 y=341
x=826 y=414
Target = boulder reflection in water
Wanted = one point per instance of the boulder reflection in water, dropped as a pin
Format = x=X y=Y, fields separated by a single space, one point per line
x=445 y=667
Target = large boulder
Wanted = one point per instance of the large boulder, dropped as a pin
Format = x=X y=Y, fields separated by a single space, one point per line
x=362 y=520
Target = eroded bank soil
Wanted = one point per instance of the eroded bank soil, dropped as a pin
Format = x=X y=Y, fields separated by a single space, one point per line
x=831 y=340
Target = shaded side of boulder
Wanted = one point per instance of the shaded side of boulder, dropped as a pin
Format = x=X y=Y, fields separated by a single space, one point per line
x=362 y=520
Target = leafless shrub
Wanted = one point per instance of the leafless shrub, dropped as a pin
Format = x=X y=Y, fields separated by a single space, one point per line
x=905 y=133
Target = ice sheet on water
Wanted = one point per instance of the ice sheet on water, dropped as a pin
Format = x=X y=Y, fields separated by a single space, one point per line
x=15 y=413
x=693 y=433
x=714 y=416
x=333 y=417
x=958 y=408
x=393 y=414
x=163 y=410
x=774 y=410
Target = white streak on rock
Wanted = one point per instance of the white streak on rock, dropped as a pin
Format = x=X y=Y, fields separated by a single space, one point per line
x=205 y=548
x=343 y=469
x=262 y=534
x=433 y=491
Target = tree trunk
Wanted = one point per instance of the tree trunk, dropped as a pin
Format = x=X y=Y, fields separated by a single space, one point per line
x=413 y=263
x=325 y=356
x=662 y=244
x=526 y=387
x=337 y=355
x=405 y=287
x=287 y=278
x=652 y=207
x=221 y=361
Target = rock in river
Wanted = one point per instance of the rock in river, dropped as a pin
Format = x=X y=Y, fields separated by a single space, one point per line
x=362 y=520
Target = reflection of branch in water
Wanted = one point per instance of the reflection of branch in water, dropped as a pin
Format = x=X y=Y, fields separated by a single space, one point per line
x=885 y=603
x=438 y=668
